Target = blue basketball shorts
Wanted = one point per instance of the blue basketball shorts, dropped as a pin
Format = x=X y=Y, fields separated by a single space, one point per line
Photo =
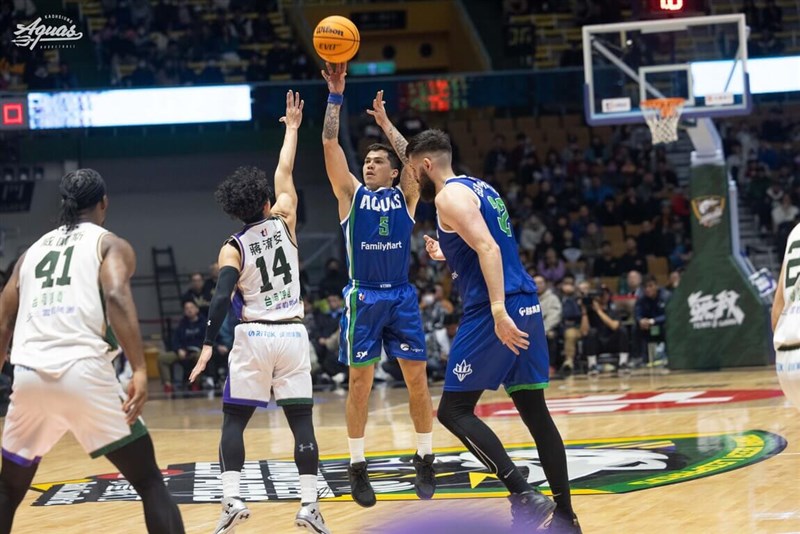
x=478 y=360
x=375 y=318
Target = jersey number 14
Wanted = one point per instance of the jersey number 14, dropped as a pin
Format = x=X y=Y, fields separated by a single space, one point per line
x=280 y=266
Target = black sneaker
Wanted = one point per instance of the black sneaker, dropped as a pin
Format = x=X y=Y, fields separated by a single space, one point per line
x=564 y=524
x=425 y=481
x=360 y=488
x=530 y=509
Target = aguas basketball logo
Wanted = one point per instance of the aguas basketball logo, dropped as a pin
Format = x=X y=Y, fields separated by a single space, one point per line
x=599 y=466
x=62 y=30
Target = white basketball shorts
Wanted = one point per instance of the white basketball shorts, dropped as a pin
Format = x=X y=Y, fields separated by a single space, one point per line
x=85 y=400
x=268 y=357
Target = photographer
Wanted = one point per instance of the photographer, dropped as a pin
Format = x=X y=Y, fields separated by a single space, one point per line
x=602 y=330
x=551 y=314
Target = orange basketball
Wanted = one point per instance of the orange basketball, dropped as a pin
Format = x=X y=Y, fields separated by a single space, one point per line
x=336 y=39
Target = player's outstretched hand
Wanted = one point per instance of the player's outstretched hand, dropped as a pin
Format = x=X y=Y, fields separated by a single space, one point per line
x=137 y=396
x=334 y=75
x=432 y=248
x=511 y=336
x=294 y=110
x=378 y=111
x=202 y=361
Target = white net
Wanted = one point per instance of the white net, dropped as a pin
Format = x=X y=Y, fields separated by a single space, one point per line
x=662 y=116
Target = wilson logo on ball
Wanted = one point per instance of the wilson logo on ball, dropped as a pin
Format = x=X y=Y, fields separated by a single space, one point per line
x=336 y=39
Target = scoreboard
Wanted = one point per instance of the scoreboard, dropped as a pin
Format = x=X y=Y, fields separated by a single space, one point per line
x=13 y=113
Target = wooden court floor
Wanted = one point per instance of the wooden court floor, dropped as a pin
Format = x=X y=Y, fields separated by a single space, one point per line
x=759 y=498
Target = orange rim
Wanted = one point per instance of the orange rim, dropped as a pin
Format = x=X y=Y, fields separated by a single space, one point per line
x=667 y=107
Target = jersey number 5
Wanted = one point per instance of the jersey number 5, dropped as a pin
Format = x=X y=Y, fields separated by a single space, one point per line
x=279 y=267
x=502 y=214
x=46 y=268
x=383 y=226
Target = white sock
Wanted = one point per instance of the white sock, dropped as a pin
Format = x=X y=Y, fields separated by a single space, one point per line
x=356 y=450
x=308 y=489
x=424 y=443
x=230 y=484
x=591 y=360
x=623 y=358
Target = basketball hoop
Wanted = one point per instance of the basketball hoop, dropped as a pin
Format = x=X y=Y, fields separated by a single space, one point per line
x=662 y=116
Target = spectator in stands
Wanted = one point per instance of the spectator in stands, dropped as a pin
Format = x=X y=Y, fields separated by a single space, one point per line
x=65 y=79
x=551 y=314
x=143 y=75
x=632 y=260
x=570 y=324
x=784 y=213
x=439 y=346
x=334 y=280
x=210 y=283
x=607 y=213
x=772 y=16
x=326 y=340
x=198 y=293
x=497 y=159
x=650 y=315
x=531 y=235
x=606 y=264
x=768 y=45
x=218 y=366
x=187 y=341
x=673 y=283
x=40 y=77
x=591 y=242
x=649 y=241
x=211 y=74
x=521 y=150
x=602 y=331
x=632 y=211
x=551 y=267
x=682 y=251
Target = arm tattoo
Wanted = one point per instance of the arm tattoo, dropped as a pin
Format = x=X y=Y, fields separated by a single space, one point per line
x=330 y=128
x=399 y=143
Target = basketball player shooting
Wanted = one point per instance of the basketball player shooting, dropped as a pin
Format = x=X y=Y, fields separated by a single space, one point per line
x=381 y=307
x=501 y=338
x=67 y=288
x=259 y=268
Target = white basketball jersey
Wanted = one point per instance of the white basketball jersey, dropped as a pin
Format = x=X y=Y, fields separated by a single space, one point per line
x=787 y=333
x=269 y=284
x=61 y=315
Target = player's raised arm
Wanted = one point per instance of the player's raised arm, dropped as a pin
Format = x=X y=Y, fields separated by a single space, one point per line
x=116 y=270
x=408 y=182
x=342 y=180
x=458 y=209
x=285 y=192
x=9 y=305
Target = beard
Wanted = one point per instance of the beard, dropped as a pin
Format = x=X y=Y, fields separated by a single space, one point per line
x=427 y=189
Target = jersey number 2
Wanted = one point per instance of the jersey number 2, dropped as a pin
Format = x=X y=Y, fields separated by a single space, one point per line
x=793 y=265
x=279 y=267
x=46 y=268
x=502 y=214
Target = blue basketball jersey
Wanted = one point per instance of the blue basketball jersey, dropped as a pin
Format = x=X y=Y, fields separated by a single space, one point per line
x=377 y=233
x=463 y=261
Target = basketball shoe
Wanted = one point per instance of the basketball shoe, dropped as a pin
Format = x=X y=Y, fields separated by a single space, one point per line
x=530 y=509
x=234 y=511
x=425 y=480
x=360 y=488
x=310 y=518
x=563 y=524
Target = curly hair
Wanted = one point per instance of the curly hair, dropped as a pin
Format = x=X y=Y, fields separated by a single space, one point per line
x=243 y=194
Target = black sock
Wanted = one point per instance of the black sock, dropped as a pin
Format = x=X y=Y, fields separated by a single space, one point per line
x=552 y=455
x=457 y=413
x=137 y=463
x=231 y=444
x=14 y=483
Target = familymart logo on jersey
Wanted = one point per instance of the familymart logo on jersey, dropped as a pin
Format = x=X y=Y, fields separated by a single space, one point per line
x=714 y=311
x=57 y=33
x=381 y=246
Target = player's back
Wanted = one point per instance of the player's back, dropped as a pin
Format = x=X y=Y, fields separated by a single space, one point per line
x=787 y=332
x=378 y=233
x=464 y=262
x=61 y=314
x=269 y=284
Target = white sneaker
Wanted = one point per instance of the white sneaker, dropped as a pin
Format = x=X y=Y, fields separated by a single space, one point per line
x=310 y=518
x=234 y=511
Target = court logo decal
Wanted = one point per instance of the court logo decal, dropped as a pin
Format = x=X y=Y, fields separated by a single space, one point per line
x=623 y=402
x=599 y=466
